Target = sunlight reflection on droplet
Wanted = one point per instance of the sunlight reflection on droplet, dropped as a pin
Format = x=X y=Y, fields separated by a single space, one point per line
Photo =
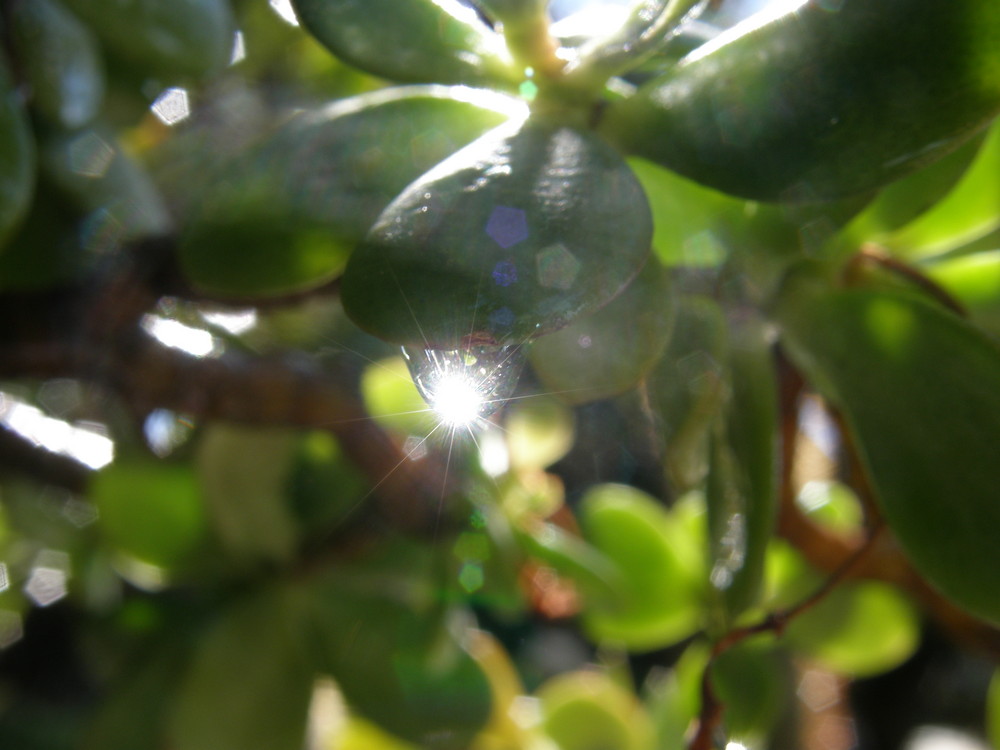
x=493 y=454
x=456 y=400
x=172 y=106
x=285 y=10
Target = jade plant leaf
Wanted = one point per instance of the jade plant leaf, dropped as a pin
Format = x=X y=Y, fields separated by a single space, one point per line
x=906 y=373
x=612 y=350
x=516 y=235
x=419 y=41
x=285 y=214
x=176 y=40
x=60 y=59
x=785 y=106
x=17 y=157
x=228 y=701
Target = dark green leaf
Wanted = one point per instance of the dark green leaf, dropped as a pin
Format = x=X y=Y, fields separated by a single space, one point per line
x=419 y=41
x=522 y=231
x=785 y=105
x=17 y=157
x=60 y=61
x=249 y=684
x=920 y=391
x=171 y=39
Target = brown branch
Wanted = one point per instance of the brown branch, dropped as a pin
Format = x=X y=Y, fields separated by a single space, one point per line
x=873 y=255
x=91 y=332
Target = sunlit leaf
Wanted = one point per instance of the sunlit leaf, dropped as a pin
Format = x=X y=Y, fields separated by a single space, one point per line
x=612 y=350
x=539 y=432
x=250 y=681
x=517 y=234
x=152 y=511
x=588 y=710
x=420 y=41
x=967 y=212
x=974 y=280
x=392 y=399
x=905 y=374
x=658 y=556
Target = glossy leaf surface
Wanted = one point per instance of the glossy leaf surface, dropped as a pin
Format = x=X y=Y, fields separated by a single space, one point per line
x=61 y=61
x=285 y=214
x=905 y=374
x=786 y=106
x=612 y=350
x=419 y=41
x=522 y=231
x=174 y=40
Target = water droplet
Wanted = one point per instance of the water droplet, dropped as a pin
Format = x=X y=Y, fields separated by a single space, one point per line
x=465 y=385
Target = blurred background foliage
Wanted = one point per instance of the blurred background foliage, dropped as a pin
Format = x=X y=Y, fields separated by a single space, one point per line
x=229 y=521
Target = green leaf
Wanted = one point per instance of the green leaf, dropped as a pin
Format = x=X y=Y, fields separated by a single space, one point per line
x=103 y=181
x=325 y=488
x=249 y=684
x=539 y=432
x=245 y=474
x=150 y=510
x=688 y=388
x=17 y=157
x=754 y=682
x=393 y=400
x=993 y=710
x=60 y=61
x=167 y=39
x=522 y=231
x=974 y=280
x=589 y=710
x=742 y=493
x=396 y=663
x=419 y=41
x=968 y=212
x=920 y=391
x=660 y=564
x=284 y=214
x=612 y=350
x=784 y=105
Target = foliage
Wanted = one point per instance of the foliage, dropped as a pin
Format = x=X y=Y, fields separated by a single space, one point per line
x=748 y=275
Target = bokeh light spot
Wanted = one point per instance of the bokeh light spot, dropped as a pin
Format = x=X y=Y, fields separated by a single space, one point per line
x=507 y=226
x=557 y=267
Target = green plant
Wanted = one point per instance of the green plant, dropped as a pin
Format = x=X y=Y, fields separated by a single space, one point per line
x=750 y=287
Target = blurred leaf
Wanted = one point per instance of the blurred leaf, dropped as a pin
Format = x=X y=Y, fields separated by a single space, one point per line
x=397 y=664
x=660 y=564
x=44 y=249
x=244 y=473
x=590 y=711
x=920 y=391
x=970 y=210
x=325 y=488
x=974 y=280
x=168 y=40
x=150 y=510
x=859 y=630
x=517 y=234
x=420 y=41
x=249 y=684
x=284 y=213
x=741 y=493
x=502 y=731
x=688 y=388
x=612 y=350
x=105 y=183
x=393 y=400
x=60 y=61
x=993 y=711
x=753 y=682
x=17 y=157
x=539 y=432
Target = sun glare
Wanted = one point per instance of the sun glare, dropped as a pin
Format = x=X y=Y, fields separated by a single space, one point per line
x=457 y=401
